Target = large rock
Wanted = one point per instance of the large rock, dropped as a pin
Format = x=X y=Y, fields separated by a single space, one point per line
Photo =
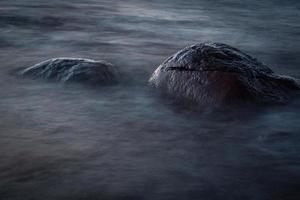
x=74 y=70
x=216 y=74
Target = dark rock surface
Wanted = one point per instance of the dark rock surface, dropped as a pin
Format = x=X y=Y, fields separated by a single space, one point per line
x=74 y=70
x=216 y=74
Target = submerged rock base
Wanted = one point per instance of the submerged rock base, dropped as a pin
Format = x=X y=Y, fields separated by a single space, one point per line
x=216 y=74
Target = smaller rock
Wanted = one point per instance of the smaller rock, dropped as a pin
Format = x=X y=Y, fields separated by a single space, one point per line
x=74 y=70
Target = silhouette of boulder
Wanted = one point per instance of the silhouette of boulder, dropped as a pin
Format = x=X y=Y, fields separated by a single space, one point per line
x=216 y=74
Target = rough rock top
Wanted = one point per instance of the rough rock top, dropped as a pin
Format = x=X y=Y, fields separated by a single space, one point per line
x=214 y=57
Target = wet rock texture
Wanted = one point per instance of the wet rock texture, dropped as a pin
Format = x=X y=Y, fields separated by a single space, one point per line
x=216 y=74
x=74 y=70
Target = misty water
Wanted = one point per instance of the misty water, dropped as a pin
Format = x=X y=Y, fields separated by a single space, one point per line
x=69 y=141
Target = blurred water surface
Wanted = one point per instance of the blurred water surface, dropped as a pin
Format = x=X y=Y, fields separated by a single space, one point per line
x=123 y=142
